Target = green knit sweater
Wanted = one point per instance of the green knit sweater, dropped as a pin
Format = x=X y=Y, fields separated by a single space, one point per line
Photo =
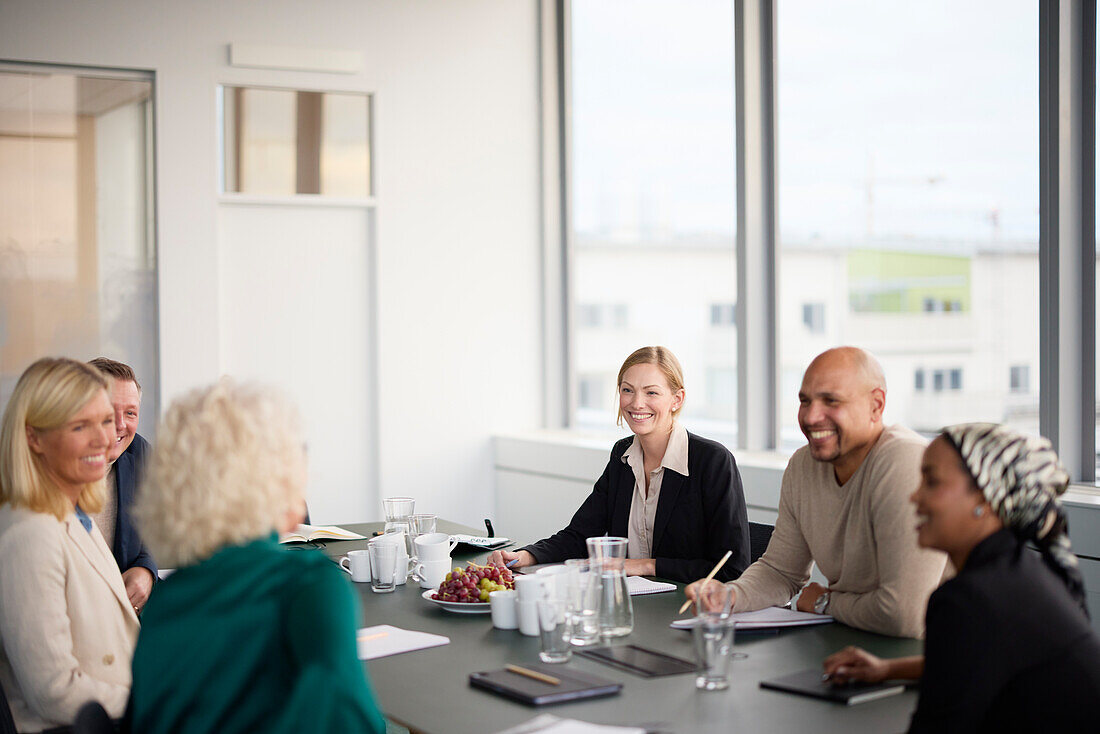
x=254 y=638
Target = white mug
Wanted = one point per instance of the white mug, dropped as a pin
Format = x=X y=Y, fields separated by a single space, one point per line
x=358 y=565
x=502 y=608
x=527 y=613
x=434 y=546
x=556 y=581
x=529 y=589
x=430 y=574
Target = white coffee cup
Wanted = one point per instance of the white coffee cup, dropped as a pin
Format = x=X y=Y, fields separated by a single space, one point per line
x=529 y=589
x=527 y=613
x=502 y=608
x=434 y=546
x=358 y=565
x=556 y=581
x=430 y=574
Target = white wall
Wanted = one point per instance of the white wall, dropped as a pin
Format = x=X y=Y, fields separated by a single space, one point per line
x=457 y=250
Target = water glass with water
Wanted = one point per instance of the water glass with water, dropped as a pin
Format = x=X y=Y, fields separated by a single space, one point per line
x=582 y=598
x=713 y=636
x=555 y=630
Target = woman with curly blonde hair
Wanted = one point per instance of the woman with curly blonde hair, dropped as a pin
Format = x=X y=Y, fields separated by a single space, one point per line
x=244 y=636
x=66 y=626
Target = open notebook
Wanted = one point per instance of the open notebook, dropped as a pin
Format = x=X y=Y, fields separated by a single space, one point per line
x=305 y=533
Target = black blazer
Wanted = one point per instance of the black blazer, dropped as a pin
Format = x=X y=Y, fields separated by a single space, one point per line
x=699 y=517
x=1007 y=649
x=128 y=549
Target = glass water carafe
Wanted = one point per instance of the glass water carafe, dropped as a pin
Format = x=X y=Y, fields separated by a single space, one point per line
x=607 y=559
x=399 y=512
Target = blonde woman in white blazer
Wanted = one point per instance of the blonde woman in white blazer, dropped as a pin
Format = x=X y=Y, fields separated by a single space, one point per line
x=67 y=629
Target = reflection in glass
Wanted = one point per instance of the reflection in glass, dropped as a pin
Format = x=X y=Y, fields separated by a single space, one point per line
x=653 y=258
x=77 y=256
x=278 y=142
x=909 y=204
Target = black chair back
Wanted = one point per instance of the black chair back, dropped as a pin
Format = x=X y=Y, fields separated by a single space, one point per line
x=7 y=723
x=759 y=535
x=92 y=718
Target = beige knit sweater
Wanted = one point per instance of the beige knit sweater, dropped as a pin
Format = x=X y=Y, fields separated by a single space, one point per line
x=862 y=535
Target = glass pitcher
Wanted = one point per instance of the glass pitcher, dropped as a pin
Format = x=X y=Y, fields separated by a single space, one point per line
x=399 y=512
x=607 y=558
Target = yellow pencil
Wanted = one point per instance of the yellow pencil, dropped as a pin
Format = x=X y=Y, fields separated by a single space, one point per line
x=708 y=578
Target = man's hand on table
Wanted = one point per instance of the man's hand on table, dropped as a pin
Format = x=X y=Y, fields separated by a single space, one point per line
x=698 y=589
x=809 y=596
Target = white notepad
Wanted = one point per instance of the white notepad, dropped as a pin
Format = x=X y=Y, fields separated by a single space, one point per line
x=638 y=585
x=550 y=724
x=769 y=618
x=383 y=639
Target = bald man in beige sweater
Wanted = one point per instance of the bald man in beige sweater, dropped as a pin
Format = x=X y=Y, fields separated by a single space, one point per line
x=844 y=505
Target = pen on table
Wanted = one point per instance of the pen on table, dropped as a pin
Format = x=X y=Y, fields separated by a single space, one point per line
x=710 y=575
x=533 y=674
x=375 y=636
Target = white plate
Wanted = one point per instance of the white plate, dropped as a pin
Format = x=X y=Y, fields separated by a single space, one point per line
x=481 y=607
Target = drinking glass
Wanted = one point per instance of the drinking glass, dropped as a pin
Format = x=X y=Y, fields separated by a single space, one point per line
x=383 y=565
x=422 y=523
x=582 y=598
x=555 y=631
x=713 y=636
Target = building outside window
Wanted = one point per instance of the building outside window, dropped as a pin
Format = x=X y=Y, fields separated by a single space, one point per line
x=908 y=200
x=653 y=199
x=813 y=317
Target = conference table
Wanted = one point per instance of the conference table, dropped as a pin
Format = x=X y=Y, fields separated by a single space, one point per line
x=428 y=690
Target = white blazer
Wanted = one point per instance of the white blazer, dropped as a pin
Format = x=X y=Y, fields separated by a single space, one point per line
x=66 y=626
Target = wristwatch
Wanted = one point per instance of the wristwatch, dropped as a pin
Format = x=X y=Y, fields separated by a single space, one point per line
x=822 y=603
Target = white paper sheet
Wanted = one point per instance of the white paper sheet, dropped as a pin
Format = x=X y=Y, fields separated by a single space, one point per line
x=550 y=724
x=383 y=639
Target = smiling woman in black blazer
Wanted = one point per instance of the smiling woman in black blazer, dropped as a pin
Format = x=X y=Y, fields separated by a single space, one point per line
x=675 y=496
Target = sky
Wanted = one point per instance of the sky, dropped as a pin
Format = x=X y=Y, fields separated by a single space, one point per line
x=895 y=119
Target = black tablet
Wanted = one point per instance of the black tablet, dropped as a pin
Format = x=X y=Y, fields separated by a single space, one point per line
x=639 y=660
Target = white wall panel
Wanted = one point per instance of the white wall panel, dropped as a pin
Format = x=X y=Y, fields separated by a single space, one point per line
x=294 y=296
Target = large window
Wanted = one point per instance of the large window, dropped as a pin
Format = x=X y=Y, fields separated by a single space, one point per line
x=77 y=256
x=908 y=148
x=653 y=203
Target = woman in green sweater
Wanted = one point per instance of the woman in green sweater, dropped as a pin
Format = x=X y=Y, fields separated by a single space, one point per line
x=245 y=636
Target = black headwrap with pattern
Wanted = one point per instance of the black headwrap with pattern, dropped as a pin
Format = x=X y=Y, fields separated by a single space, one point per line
x=1022 y=479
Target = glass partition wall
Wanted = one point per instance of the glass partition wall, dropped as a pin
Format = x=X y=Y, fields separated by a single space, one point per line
x=77 y=246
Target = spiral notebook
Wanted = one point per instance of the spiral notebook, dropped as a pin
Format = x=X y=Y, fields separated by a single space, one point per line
x=638 y=585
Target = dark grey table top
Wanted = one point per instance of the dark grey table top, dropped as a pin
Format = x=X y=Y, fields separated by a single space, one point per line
x=428 y=689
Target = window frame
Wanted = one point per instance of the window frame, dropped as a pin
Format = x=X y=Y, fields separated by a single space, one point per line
x=1066 y=45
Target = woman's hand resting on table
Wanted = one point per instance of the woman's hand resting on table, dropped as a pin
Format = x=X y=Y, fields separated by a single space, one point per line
x=503 y=558
x=854 y=663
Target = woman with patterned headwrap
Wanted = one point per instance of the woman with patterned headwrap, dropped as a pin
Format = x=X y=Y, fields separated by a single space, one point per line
x=1008 y=646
